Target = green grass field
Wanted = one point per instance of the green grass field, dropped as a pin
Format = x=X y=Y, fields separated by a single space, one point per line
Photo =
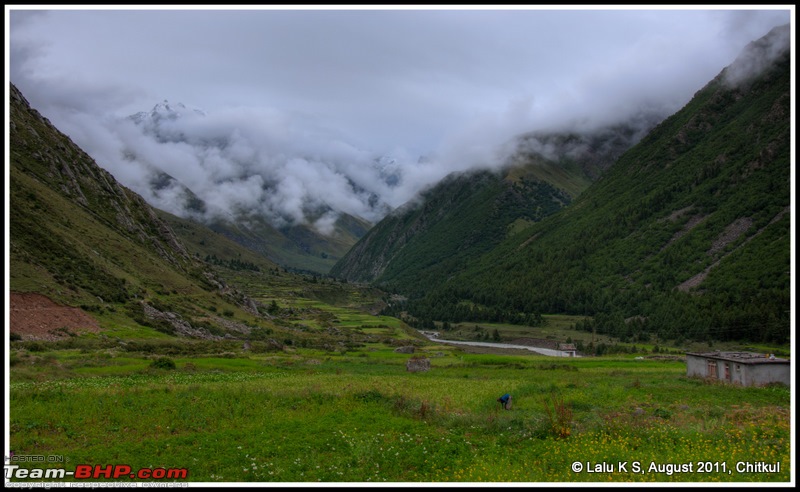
x=351 y=412
x=310 y=415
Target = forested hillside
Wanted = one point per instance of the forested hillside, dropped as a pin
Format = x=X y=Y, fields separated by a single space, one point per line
x=685 y=237
x=431 y=238
x=459 y=218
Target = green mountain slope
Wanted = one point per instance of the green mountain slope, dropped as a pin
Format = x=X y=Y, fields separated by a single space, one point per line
x=298 y=247
x=461 y=217
x=80 y=238
x=211 y=247
x=116 y=273
x=686 y=236
x=420 y=245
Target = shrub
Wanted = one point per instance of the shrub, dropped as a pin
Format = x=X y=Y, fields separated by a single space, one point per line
x=369 y=396
x=662 y=413
x=35 y=346
x=163 y=363
x=559 y=415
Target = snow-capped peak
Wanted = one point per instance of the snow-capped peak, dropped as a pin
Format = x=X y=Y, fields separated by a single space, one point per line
x=388 y=169
x=166 y=111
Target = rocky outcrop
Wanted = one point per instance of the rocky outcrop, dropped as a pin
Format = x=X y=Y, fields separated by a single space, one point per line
x=418 y=364
x=180 y=325
x=52 y=158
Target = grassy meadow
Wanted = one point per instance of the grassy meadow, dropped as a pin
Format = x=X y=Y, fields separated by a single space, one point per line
x=351 y=412
x=302 y=415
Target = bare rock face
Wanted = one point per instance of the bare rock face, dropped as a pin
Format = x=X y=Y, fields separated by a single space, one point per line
x=408 y=349
x=418 y=364
x=180 y=325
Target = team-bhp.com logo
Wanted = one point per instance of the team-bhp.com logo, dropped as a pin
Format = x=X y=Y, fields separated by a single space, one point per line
x=95 y=472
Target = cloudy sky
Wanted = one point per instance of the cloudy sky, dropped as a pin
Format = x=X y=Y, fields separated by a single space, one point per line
x=302 y=102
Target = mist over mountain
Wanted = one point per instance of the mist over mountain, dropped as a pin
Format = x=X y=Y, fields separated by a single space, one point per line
x=83 y=239
x=203 y=166
x=287 y=188
x=247 y=163
x=757 y=57
x=87 y=254
x=450 y=224
x=685 y=236
x=360 y=117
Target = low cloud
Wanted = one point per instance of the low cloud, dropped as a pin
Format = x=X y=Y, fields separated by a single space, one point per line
x=308 y=114
x=239 y=163
x=758 y=56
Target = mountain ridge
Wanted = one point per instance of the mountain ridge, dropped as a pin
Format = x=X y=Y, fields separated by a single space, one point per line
x=82 y=239
x=467 y=213
x=702 y=197
x=311 y=245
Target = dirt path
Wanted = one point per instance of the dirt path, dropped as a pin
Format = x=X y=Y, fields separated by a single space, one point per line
x=36 y=317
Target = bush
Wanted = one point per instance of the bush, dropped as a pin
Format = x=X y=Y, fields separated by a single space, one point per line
x=163 y=363
x=35 y=346
x=369 y=396
x=559 y=415
x=662 y=413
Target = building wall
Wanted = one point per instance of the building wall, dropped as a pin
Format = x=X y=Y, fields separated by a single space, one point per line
x=735 y=372
x=695 y=366
x=762 y=374
x=740 y=373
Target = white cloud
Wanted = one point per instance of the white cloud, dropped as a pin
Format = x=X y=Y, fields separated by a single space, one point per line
x=300 y=104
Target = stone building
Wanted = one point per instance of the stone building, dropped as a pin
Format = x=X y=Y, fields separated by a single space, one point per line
x=744 y=368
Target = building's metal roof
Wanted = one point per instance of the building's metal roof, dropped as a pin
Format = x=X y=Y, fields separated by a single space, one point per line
x=741 y=357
